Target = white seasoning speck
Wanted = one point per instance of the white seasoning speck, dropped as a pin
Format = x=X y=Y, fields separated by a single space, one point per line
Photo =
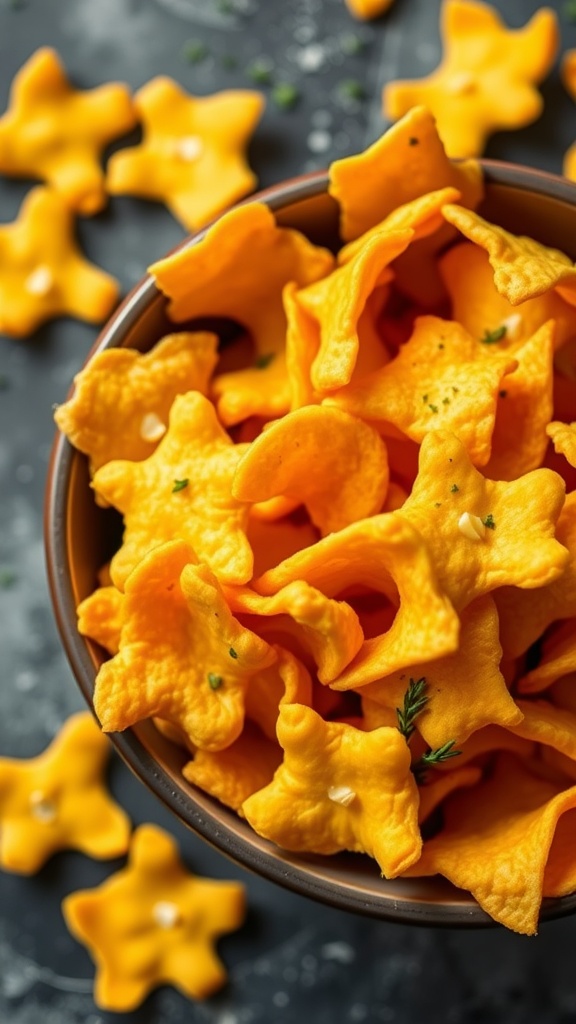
x=512 y=324
x=165 y=914
x=471 y=526
x=151 y=427
x=40 y=281
x=43 y=809
x=341 y=795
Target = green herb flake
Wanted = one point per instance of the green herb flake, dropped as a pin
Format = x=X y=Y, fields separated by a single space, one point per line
x=489 y=522
x=194 y=51
x=179 y=485
x=228 y=62
x=351 y=89
x=351 y=45
x=492 y=337
x=445 y=401
x=455 y=390
x=432 y=758
x=285 y=95
x=570 y=10
x=232 y=653
x=437 y=504
x=415 y=700
x=214 y=681
x=434 y=408
x=264 y=360
x=454 y=488
x=424 y=398
x=7 y=579
x=260 y=71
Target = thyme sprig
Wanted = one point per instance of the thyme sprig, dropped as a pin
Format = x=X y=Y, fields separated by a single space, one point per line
x=432 y=758
x=415 y=700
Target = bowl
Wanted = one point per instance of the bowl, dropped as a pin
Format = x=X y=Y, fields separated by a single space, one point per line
x=80 y=537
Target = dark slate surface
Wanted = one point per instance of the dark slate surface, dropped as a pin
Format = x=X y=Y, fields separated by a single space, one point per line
x=294 y=960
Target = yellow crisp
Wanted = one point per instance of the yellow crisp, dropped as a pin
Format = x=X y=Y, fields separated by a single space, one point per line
x=101 y=617
x=338 y=301
x=422 y=215
x=569 y=79
x=433 y=793
x=182 y=491
x=43 y=273
x=54 y=132
x=388 y=556
x=440 y=379
x=549 y=725
x=122 y=399
x=557 y=659
x=340 y=789
x=278 y=539
x=329 y=629
x=192 y=156
x=153 y=923
x=287 y=681
x=182 y=656
x=59 y=801
x=524 y=615
x=563 y=437
x=367 y=9
x=483 y=534
x=348 y=458
x=233 y=774
x=252 y=297
x=523 y=268
x=467 y=690
x=496 y=841
x=408 y=161
x=486 y=80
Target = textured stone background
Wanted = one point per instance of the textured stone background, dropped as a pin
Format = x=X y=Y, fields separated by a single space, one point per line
x=294 y=960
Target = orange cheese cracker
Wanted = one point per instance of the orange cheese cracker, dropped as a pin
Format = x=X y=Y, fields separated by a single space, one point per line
x=57 y=133
x=43 y=273
x=233 y=774
x=154 y=923
x=563 y=437
x=487 y=77
x=192 y=154
x=58 y=801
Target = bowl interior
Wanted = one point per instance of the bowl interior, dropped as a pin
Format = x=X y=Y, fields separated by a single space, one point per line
x=80 y=538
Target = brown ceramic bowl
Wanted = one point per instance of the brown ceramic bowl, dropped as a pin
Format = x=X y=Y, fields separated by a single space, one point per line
x=80 y=537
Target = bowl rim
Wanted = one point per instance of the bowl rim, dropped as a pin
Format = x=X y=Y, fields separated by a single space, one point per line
x=128 y=744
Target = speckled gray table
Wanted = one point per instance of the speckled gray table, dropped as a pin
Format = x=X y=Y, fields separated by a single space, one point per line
x=294 y=960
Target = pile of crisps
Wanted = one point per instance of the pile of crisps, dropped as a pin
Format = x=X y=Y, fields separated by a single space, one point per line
x=347 y=583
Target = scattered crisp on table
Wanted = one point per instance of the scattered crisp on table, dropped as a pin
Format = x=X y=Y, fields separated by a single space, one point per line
x=367 y=9
x=153 y=923
x=56 y=133
x=192 y=156
x=354 y=529
x=487 y=78
x=42 y=272
x=59 y=801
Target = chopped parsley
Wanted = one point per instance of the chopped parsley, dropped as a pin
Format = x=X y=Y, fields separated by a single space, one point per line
x=351 y=45
x=285 y=95
x=232 y=653
x=489 y=522
x=455 y=390
x=570 y=10
x=194 y=51
x=454 y=488
x=214 y=681
x=179 y=485
x=350 y=89
x=264 y=360
x=445 y=401
x=424 y=398
x=491 y=337
x=260 y=71
x=434 y=408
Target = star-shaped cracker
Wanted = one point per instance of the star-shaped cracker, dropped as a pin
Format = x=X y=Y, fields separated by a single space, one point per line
x=388 y=556
x=182 y=655
x=408 y=161
x=154 y=923
x=525 y=614
x=483 y=534
x=101 y=617
x=233 y=774
x=367 y=9
x=563 y=437
x=497 y=841
x=349 y=460
x=487 y=78
x=340 y=788
x=466 y=688
x=42 y=272
x=58 y=801
x=569 y=79
x=485 y=312
x=182 y=491
x=56 y=133
x=523 y=268
x=252 y=297
x=440 y=379
x=337 y=302
x=192 y=156
x=524 y=409
x=122 y=399
x=329 y=629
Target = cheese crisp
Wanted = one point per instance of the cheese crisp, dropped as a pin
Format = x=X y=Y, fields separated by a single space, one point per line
x=347 y=580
